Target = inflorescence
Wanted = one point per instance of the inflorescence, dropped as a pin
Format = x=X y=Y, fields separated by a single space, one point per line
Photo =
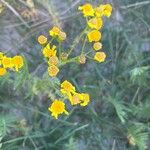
x=56 y=57
x=10 y=63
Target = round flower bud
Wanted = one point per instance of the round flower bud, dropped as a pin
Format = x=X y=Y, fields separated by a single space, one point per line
x=53 y=60
x=42 y=39
x=64 y=56
x=53 y=70
x=82 y=59
x=97 y=46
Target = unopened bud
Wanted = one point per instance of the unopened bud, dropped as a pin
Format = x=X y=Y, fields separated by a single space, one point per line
x=82 y=59
x=64 y=56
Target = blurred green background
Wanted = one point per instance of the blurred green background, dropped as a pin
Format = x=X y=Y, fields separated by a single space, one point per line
x=118 y=116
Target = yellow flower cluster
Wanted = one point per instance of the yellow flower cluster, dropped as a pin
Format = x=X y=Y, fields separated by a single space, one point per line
x=69 y=92
x=57 y=58
x=67 y=89
x=102 y=10
x=94 y=21
x=14 y=63
x=49 y=51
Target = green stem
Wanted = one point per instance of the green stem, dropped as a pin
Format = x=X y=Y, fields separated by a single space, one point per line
x=51 y=40
x=59 y=49
x=83 y=47
x=77 y=39
x=89 y=57
x=89 y=52
x=135 y=95
x=68 y=61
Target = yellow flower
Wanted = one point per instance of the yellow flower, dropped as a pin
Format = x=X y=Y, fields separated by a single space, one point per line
x=98 y=12
x=57 y=108
x=42 y=39
x=107 y=10
x=75 y=98
x=67 y=87
x=53 y=70
x=94 y=36
x=95 y=23
x=2 y=71
x=97 y=46
x=7 y=62
x=85 y=98
x=53 y=60
x=100 y=56
x=48 y=51
x=87 y=10
x=17 y=62
x=103 y=10
x=54 y=31
x=79 y=98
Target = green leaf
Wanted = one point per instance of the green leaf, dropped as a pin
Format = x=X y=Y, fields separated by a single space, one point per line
x=138 y=74
x=138 y=135
x=142 y=111
x=71 y=145
x=120 y=108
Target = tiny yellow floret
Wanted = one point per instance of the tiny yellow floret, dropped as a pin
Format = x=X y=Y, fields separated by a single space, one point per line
x=53 y=70
x=75 y=98
x=57 y=108
x=79 y=98
x=97 y=46
x=94 y=36
x=48 y=51
x=67 y=87
x=7 y=62
x=42 y=39
x=95 y=23
x=100 y=56
x=85 y=99
x=103 y=10
x=87 y=10
x=17 y=62
x=53 y=60
x=2 y=71
x=54 y=31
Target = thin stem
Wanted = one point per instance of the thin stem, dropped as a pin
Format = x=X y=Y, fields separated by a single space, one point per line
x=135 y=95
x=68 y=61
x=59 y=50
x=83 y=47
x=77 y=39
x=15 y=12
x=138 y=4
x=35 y=147
x=114 y=144
x=89 y=52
